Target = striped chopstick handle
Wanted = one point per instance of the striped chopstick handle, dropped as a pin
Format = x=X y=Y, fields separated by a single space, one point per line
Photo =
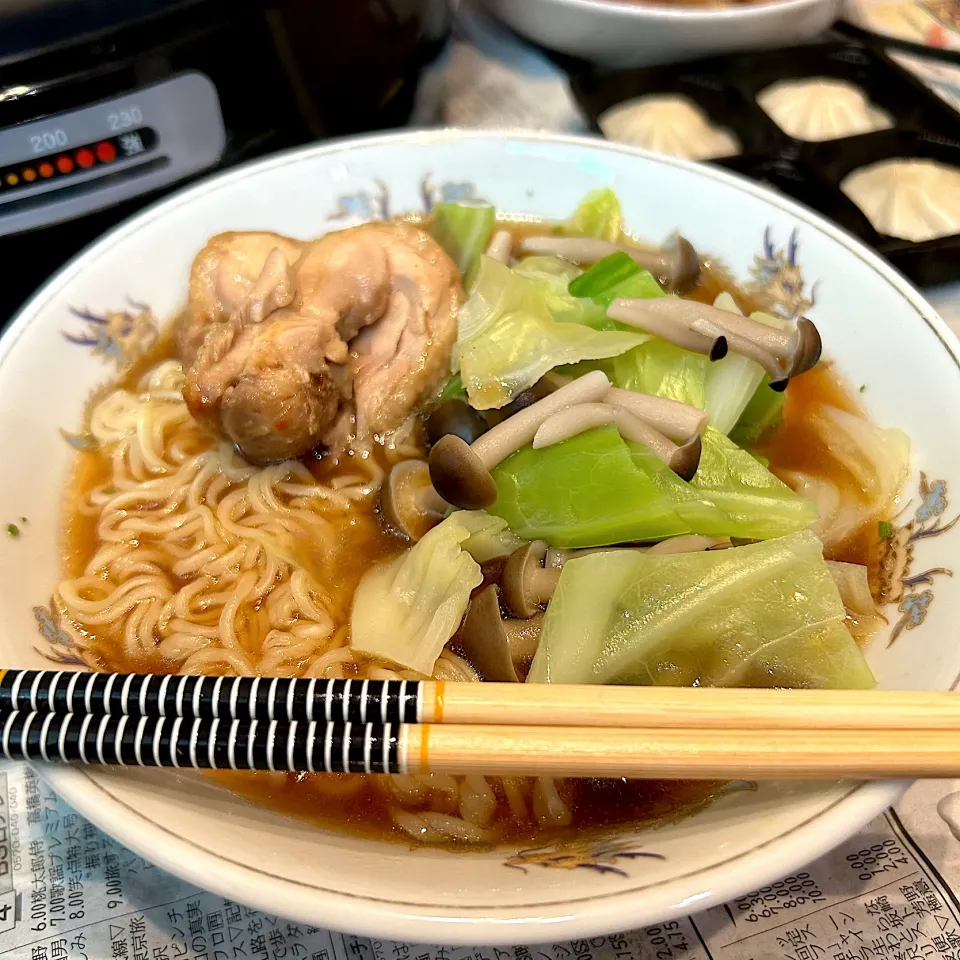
x=203 y=744
x=231 y=698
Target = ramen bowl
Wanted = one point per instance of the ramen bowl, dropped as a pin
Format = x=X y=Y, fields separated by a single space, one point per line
x=98 y=313
x=622 y=33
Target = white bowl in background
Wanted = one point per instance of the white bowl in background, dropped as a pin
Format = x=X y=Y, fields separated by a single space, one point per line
x=612 y=33
x=879 y=330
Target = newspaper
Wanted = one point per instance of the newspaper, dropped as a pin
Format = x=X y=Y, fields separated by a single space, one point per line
x=69 y=892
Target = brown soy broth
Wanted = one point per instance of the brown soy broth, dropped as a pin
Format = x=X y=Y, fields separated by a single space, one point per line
x=354 y=803
x=795 y=445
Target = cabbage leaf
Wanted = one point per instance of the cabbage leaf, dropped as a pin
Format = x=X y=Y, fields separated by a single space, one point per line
x=463 y=231
x=733 y=381
x=760 y=506
x=584 y=492
x=763 y=615
x=509 y=337
x=405 y=610
x=598 y=215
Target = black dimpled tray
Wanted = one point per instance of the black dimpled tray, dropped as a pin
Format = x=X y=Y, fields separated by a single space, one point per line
x=726 y=90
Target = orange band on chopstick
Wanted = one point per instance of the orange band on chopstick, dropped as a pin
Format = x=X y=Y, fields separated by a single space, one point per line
x=438 y=701
x=424 y=751
x=3 y=673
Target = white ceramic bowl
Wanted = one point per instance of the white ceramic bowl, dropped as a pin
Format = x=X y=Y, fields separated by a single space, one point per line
x=880 y=331
x=616 y=34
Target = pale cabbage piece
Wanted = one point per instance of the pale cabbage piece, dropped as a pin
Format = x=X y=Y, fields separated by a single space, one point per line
x=492 y=540
x=508 y=336
x=732 y=381
x=404 y=611
x=877 y=457
x=764 y=615
x=761 y=506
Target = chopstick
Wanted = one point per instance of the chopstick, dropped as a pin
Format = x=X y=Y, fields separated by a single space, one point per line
x=511 y=704
x=681 y=753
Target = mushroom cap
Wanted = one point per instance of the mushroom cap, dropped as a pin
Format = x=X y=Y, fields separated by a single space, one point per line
x=686 y=458
x=524 y=579
x=686 y=265
x=542 y=388
x=809 y=347
x=407 y=501
x=483 y=638
x=459 y=475
x=456 y=417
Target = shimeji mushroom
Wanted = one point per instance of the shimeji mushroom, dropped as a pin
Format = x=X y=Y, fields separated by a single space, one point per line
x=460 y=472
x=500 y=246
x=676 y=265
x=499 y=649
x=457 y=417
x=408 y=501
x=527 y=584
x=682 y=460
x=782 y=353
x=677 y=421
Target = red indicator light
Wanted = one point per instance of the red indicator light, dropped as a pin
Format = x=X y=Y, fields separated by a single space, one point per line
x=46 y=169
x=85 y=158
x=29 y=175
x=64 y=164
x=106 y=152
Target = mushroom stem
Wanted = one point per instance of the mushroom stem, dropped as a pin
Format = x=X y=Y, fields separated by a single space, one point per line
x=500 y=246
x=678 y=421
x=676 y=329
x=677 y=264
x=688 y=543
x=500 y=650
x=782 y=353
x=510 y=435
x=571 y=421
x=461 y=472
x=557 y=558
x=523 y=638
x=526 y=583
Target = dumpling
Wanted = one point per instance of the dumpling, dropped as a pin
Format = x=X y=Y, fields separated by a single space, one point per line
x=911 y=199
x=821 y=109
x=669 y=124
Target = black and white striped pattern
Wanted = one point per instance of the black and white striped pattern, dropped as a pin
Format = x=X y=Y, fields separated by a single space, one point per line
x=215 y=698
x=203 y=743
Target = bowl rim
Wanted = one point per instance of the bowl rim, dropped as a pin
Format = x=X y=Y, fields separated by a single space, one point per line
x=640 y=10
x=392 y=919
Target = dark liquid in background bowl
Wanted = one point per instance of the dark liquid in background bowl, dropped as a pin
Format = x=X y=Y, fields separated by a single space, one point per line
x=595 y=804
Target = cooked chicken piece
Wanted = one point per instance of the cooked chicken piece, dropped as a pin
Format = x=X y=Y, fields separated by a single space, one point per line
x=289 y=345
x=407 y=352
x=223 y=276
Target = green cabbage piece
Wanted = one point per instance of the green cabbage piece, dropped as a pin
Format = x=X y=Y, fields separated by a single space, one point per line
x=760 y=506
x=617 y=275
x=405 y=610
x=509 y=337
x=463 y=231
x=660 y=368
x=598 y=215
x=584 y=492
x=597 y=489
x=764 y=615
x=762 y=413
